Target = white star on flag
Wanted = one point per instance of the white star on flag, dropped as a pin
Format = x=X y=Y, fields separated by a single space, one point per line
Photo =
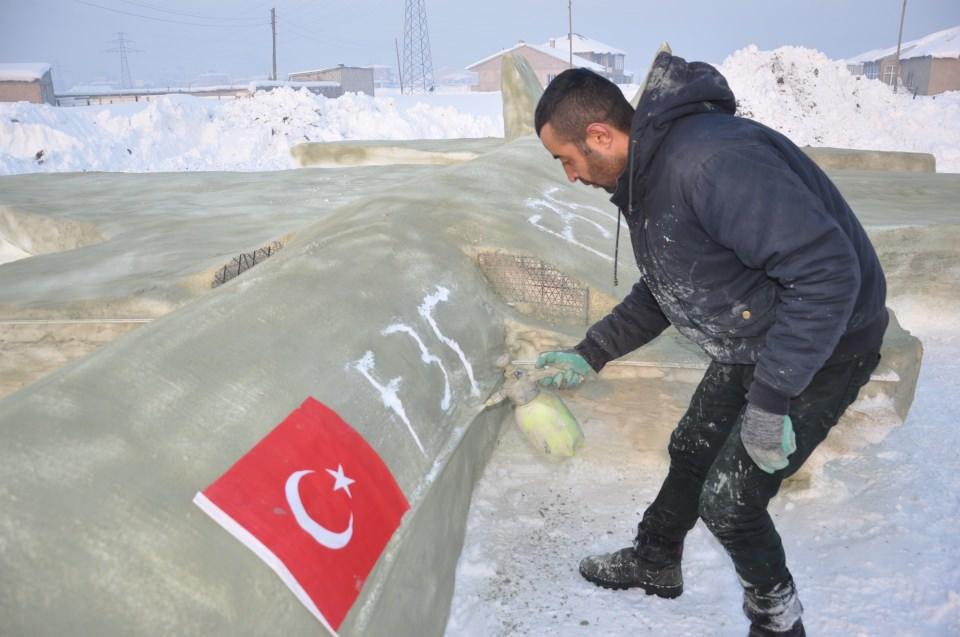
x=342 y=481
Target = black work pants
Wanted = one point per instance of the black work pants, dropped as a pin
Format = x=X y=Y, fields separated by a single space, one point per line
x=712 y=477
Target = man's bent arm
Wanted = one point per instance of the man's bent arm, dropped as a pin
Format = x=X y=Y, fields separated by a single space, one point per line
x=750 y=201
x=636 y=321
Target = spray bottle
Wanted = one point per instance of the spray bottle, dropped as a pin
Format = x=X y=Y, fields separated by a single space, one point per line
x=541 y=415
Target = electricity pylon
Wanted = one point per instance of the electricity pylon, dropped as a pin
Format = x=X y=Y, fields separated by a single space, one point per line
x=417 y=61
x=126 y=81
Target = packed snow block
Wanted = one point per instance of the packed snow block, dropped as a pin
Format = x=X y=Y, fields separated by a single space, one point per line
x=101 y=459
x=673 y=358
x=521 y=91
x=876 y=160
x=25 y=235
x=914 y=224
x=379 y=309
x=142 y=244
x=106 y=454
x=344 y=154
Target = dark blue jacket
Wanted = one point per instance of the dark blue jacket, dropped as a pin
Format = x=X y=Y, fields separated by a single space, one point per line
x=743 y=243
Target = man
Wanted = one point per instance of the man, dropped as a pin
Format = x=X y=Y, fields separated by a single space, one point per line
x=748 y=249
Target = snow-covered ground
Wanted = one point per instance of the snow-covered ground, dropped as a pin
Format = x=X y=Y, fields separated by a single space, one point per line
x=177 y=133
x=812 y=99
x=871 y=534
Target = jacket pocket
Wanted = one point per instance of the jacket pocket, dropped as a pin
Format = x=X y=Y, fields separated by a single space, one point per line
x=747 y=318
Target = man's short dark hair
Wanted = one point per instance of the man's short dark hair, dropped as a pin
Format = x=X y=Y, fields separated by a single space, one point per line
x=577 y=98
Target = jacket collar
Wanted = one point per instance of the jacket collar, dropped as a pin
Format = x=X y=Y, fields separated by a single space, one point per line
x=674 y=89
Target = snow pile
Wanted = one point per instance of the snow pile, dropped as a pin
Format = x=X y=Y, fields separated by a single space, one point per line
x=800 y=92
x=815 y=101
x=178 y=133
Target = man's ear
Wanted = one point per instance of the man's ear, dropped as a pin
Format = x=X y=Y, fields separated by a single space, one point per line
x=600 y=135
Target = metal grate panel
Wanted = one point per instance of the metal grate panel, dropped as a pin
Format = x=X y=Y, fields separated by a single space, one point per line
x=536 y=288
x=243 y=262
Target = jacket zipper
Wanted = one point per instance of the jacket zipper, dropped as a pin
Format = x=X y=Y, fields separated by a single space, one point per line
x=616 y=245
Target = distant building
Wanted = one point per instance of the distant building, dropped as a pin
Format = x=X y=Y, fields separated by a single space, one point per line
x=211 y=78
x=27 y=83
x=547 y=63
x=610 y=58
x=88 y=95
x=552 y=58
x=353 y=79
x=383 y=76
x=455 y=78
x=928 y=66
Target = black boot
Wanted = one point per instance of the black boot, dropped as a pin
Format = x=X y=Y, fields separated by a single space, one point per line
x=774 y=612
x=652 y=564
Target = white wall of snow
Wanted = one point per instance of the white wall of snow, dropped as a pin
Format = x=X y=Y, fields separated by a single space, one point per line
x=800 y=92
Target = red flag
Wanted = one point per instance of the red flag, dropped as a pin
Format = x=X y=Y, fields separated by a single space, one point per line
x=316 y=503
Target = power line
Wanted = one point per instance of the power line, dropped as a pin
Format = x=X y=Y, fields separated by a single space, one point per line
x=156 y=19
x=126 y=80
x=298 y=34
x=188 y=15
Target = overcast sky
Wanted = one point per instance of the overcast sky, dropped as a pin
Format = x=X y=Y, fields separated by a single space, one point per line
x=179 y=39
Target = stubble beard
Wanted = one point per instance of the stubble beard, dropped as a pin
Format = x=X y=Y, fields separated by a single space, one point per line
x=604 y=169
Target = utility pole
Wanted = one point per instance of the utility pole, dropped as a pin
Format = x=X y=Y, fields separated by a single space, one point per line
x=399 y=66
x=896 y=78
x=570 y=29
x=126 y=80
x=273 y=28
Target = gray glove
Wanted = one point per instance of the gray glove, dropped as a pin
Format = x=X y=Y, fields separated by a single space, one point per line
x=768 y=438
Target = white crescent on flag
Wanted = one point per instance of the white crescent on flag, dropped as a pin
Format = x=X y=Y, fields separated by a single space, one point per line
x=317 y=531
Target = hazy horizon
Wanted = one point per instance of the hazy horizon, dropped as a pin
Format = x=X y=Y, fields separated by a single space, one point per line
x=178 y=40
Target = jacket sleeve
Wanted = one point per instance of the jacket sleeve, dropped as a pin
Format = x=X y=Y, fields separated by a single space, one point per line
x=636 y=321
x=750 y=201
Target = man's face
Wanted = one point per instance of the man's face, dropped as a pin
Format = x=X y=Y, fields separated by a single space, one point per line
x=592 y=162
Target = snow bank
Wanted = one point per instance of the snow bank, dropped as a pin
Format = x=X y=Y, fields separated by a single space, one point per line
x=815 y=101
x=812 y=99
x=179 y=133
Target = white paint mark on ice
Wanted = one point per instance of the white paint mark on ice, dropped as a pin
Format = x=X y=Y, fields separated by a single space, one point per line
x=566 y=236
x=549 y=195
x=388 y=393
x=426 y=311
x=425 y=356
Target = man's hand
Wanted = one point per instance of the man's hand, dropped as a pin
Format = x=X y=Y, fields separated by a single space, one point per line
x=768 y=438
x=574 y=369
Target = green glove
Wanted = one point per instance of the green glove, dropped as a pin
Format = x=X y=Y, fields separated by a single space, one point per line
x=574 y=369
x=768 y=438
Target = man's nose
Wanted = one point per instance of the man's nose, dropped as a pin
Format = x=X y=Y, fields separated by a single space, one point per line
x=571 y=173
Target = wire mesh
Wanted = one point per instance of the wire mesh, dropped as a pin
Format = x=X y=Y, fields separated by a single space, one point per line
x=243 y=262
x=536 y=288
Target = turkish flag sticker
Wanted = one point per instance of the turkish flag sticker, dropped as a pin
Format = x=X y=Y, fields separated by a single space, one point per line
x=316 y=503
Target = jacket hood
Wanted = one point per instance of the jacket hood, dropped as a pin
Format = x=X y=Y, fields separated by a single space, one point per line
x=675 y=88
